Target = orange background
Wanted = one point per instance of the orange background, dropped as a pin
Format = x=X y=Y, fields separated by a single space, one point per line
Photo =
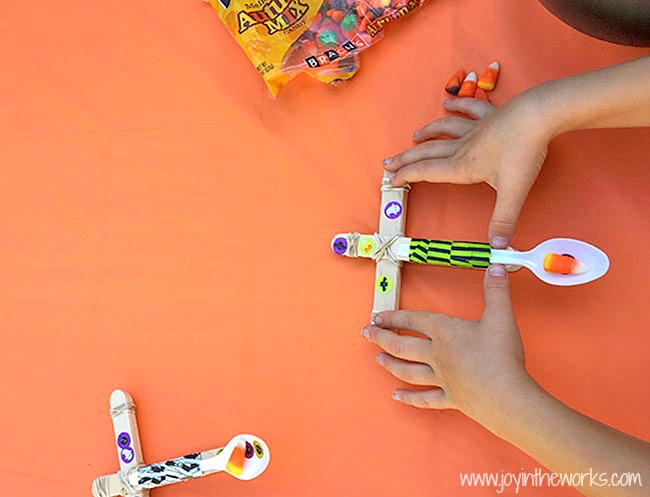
x=165 y=229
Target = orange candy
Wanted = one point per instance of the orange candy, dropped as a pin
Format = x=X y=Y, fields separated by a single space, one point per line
x=563 y=264
x=453 y=85
x=481 y=95
x=337 y=16
x=488 y=79
x=468 y=88
x=235 y=464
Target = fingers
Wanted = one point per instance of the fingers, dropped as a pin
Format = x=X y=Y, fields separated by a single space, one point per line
x=426 y=399
x=431 y=170
x=436 y=149
x=426 y=323
x=473 y=107
x=497 y=292
x=452 y=126
x=410 y=372
x=504 y=218
x=403 y=347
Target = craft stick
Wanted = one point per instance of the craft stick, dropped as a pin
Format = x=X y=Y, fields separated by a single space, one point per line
x=392 y=221
x=474 y=255
x=127 y=437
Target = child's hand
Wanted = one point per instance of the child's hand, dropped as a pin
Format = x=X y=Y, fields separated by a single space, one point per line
x=473 y=364
x=502 y=147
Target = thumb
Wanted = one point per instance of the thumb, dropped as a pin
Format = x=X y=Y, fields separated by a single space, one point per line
x=504 y=219
x=497 y=293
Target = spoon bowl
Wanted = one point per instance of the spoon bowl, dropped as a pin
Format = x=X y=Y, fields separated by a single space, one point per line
x=596 y=260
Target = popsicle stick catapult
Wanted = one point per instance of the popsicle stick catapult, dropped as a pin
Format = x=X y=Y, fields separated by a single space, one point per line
x=558 y=261
x=244 y=457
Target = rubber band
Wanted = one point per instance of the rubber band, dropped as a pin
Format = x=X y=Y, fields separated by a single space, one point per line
x=387 y=187
x=116 y=411
x=102 y=486
x=353 y=244
x=384 y=251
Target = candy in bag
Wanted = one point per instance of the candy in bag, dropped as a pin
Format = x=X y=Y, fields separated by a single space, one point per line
x=320 y=37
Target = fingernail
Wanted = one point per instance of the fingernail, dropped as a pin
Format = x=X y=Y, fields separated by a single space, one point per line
x=447 y=102
x=387 y=161
x=497 y=270
x=378 y=320
x=364 y=333
x=499 y=242
x=416 y=134
x=380 y=359
x=396 y=395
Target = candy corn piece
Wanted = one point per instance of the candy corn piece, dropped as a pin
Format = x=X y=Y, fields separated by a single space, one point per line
x=468 y=88
x=453 y=85
x=235 y=465
x=488 y=79
x=481 y=95
x=564 y=264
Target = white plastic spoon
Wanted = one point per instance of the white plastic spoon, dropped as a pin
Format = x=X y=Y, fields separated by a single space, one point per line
x=593 y=262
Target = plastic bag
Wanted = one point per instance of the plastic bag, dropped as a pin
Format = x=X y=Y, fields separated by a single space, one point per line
x=321 y=37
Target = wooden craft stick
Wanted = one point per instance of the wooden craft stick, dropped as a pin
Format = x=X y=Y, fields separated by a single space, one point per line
x=392 y=222
x=127 y=437
x=476 y=255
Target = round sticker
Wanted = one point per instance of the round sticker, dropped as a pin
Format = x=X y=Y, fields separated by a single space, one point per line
x=366 y=245
x=340 y=245
x=393 y=210
x=384 y=284
x=123 y=440
x=259 y=450
x=127 y=455
x=249 y=450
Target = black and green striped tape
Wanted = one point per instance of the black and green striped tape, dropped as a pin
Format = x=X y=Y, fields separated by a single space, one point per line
x=450 y=253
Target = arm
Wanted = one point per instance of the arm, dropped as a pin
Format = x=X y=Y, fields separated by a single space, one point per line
x=613 y=97
x=506 y=147
x=478 y=368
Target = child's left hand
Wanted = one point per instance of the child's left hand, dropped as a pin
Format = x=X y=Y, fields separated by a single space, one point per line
x=473 y=365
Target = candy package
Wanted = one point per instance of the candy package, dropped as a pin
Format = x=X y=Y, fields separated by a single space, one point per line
x=320 y=37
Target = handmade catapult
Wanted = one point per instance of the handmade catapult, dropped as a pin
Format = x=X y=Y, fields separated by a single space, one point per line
x=244 y=457
x=558 y=261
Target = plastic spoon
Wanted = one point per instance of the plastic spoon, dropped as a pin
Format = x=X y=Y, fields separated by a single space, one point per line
x=595 y=261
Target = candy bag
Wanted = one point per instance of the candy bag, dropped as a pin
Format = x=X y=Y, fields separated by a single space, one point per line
x=320 y=37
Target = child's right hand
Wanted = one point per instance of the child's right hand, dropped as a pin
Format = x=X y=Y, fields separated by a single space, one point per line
x=500 y=146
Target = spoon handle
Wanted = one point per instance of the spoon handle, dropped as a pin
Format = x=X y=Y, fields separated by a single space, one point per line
x=510 y=257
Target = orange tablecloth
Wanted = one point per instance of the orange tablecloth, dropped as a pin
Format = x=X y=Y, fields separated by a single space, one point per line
x=165 y=228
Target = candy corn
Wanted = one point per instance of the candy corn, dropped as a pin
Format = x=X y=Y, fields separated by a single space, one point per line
x=453 y=85
x=564 y=264
x=468 y=88
x=489 y=78
x=235 y=465
x=481 y=95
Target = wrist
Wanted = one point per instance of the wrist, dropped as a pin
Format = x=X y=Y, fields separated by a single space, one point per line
x=539 y=108
x=512 y=407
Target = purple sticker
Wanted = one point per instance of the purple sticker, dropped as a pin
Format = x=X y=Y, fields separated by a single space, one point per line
x=124 y=440
x=127 y=455
x=393 y=210
x=249 y=451
x=340 y=245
